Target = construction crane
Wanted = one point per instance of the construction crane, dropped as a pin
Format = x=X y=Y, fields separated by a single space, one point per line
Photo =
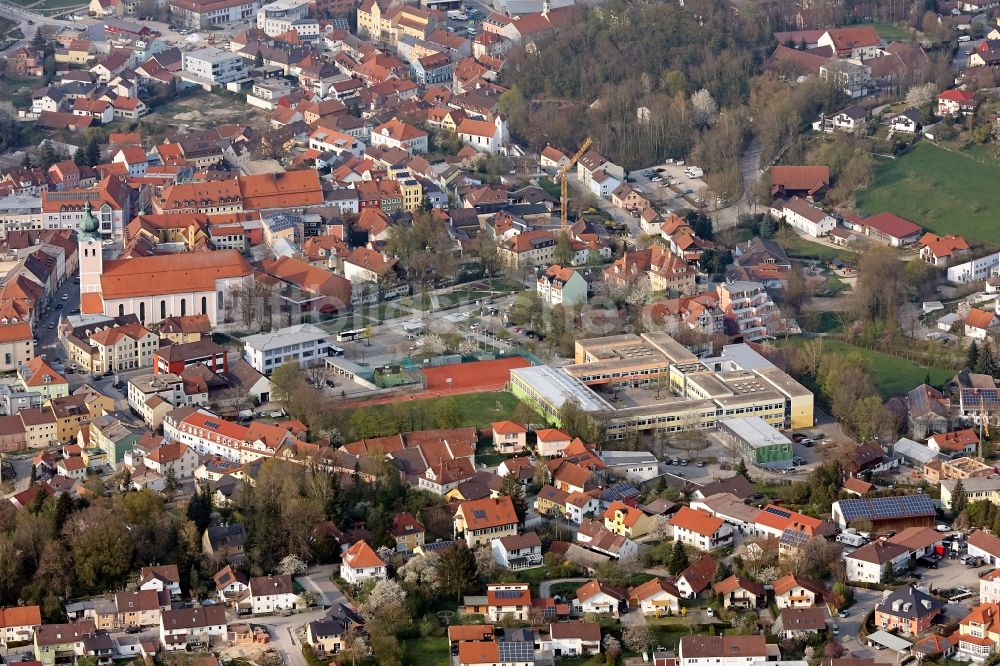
x=564 y=185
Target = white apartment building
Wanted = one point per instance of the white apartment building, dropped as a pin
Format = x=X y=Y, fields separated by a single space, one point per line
x=305 y=344
x=270 y=594
x=275 y=18
x=214 y=66
x=20 y=212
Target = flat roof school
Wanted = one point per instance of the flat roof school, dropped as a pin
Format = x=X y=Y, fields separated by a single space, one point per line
x=696 y=393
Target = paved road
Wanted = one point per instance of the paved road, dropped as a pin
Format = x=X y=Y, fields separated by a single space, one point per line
x=23 y=16
x=546 y=585
x=317 y=580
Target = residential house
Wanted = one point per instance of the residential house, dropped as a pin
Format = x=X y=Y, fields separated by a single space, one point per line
x=482 y=520
x=807 y=218
x=161 y=578
x=140 y=608
x=700 y=529
x=799 y=623
x=407 y=531
x=724 y=650
x=596 y=597
x=793 y=591
x=697 y=577
x=226 y=542
x=360 y=562
x=907 y=611
x=509 y=437
x=271 y=594
x=230 y=584
x=561 y=286
x=656 y=597
x=551 y=442
x=956 y=102
x=907 y=121
x=185 y=629
x=575 y=639
x=519 y=551
x=979 y=323
x=740 y=593
x=18 y=624
x=939 y=251
x=511 y=600
x=956 y=443
x=868 y=563
x=979 y=632
x=627 y=521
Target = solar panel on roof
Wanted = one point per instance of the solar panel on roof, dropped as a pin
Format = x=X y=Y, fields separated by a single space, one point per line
x=508 y=594
x=883 y=508
x=778 y=512
x=211 y=424
x=516 y=651
x=479 y=513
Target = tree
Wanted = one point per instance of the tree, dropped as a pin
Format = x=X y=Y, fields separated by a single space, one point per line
x=678 y=558
x=291 y=565
x=170 y=484
x=704 y=106
x=637 y=637
x=986 y=363
x=958 y=499
x=510 y=487
x=258 y=59
x=457 y=570
x=564 y=250
x=972 y=358
x=286 y=380
x=199 y=509
x=920 y=95
x=741 y=467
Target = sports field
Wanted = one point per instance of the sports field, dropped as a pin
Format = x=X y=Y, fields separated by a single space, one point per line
x=940 y=190
x=483 y=375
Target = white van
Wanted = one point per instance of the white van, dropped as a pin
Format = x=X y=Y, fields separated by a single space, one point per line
x=851 y=539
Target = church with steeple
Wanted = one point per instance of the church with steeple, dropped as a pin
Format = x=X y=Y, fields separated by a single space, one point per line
x=157 y=286
x=91 y=252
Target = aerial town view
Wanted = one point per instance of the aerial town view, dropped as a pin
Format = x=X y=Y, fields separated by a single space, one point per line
x=499 y=332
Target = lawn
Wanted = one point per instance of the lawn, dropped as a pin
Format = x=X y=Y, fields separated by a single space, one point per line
x=940 y=190
x=800 y=248
x=474 y=409
x=892 y=32
x=892 y=375
x=427 y=652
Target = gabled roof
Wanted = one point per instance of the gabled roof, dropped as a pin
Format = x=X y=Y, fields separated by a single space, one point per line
x=592 y=588
x=696 y=521
x=361 y=556
x=489 y=512
x=790 y=581
x=699 y=575
x=652 y=587
x=734 y=583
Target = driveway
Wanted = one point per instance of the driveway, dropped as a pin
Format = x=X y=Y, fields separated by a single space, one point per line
x=317 y=580
x=546 y=585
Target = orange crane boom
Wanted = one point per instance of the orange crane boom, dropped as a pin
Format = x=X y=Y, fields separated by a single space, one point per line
x=564 y=184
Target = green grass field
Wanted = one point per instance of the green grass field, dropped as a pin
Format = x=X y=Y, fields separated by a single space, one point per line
x=892 y=375
x=427 y=652
x=474 y=409
x=939 y=190
x=800 y=248
x=892 y=32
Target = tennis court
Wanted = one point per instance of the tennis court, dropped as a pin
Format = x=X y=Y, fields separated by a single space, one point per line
x=482 y=375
